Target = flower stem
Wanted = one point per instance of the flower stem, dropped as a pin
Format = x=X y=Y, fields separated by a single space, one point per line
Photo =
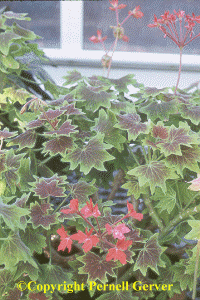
x=61 y=204
x=152 y=212
x=82 y=216
x=114 y=48
x=196 y=271
x=179 y=73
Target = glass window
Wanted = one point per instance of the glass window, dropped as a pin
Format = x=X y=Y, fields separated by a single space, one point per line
x=45 y=19
x=97 y=15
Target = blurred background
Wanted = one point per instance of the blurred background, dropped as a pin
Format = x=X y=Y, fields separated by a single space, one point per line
x=65 y=28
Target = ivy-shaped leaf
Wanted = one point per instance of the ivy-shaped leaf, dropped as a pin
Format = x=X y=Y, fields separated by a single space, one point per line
x=194 y=234
x=71 y=110
x=46 y=187
x=166 y=201
x=12 y=214
x=39 y=296
x=121 y=84
x=79 y=278
x=104 y=124
x=92 y=155
x=96 y=267
x=51 y=274
x=41 y=216
x=177 y=137
x=132 y=185
x=155 y=173
x=35 y=123
x=58 y=145
x=149 y=256
x=118 y=295
x=5 y=278
x=51 y=114
x=4 y=134
x=73 y=77
x=180 y=276
x=189 y=159
x=81 y=190
x=132 y=123
x=26 y=139
x=14 y=250
x=159 y=109
x=190 y=112
x=93 y=100
x=26 y=268
x=17 y=16
x=9 y=62
x=6 y=38
x=65 y=129
x=24 y=33
x=34 y=240
x=19 y=95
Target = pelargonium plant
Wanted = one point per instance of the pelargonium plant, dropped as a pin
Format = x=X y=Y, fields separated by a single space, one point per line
x=57 y=229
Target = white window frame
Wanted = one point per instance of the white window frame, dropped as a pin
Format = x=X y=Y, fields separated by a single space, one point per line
x=72 y=38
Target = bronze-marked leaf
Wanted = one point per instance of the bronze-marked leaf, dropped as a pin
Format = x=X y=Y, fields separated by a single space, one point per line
x=40 y=215
x=118 y=295
x=51 y=114
x=17 y=16
x=71 y=110
x=160 y=131
x=58 y=145
x=120 y=84
x=35 y=123
x=149 y=256
x=51 y=274
x=45 y=188
x=38 y=296
x=177 y=137
x=92 y=155
x=132 y=123
x=4 y=134
x=34 y=239
x=65 y=129
x=26 y=268
x=13 y=294
x=73 y=77
x=191 y=112
x=23 y=32
x=189 y=159
x=155 y=173
x=159 y=109
x=93 y=100
x=5 y=277
x=26 y=139
x=96 y=267
x=105 y=124
x=81 y=190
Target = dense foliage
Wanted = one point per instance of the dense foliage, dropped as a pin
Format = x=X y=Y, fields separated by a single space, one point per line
x=150 y=139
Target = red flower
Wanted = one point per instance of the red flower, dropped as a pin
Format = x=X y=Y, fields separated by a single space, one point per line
x=115 y=5
x=66 y=241
x=86 y=238
x=88 y=210
x=180 y=14
x=136 y=13
x=157 y=22
x=117 y=252
x=73 y=207
x=118 y=231
x=98 y=38
x=133 y=213
x=125 y=38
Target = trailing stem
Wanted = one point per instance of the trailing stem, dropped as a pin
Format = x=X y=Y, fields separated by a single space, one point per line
x=196 y=271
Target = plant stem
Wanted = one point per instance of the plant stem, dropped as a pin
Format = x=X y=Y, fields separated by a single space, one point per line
x=145 y=155
x=196 y=271
x=179 y=73
x=181 y=216
x=61 y=204
x=82 y=216
x=159 y=157
x=152 y=212
x=149 y=153
x=118 y=180
x=50 y=249
x=114 y=48
x=133 y=155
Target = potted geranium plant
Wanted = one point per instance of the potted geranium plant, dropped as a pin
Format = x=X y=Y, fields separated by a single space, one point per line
x=57 y=237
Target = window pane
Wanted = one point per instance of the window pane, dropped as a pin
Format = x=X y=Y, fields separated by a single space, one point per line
x=45 y=19
x=97 y=15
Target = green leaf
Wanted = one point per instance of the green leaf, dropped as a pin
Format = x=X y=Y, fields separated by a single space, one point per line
x=132 y=123
x=81 y=190
x=25 y=174
x=25 y=267
x=14 y=250
x=93 y=100
x=9 y=62
x=194 y=234
x=19 y=95
x=177 y=137
x=12 y=215
x=34 y=240
x=13 y=294
x=189 y=159
x=159 y=109
x=155 y=173
x=24 y=33
x=6 y=38
x=185 y=280
x=51 y=274
x=121 y=84
x=104 y=124
x=92 y=155
x=190 y=112
x=17 y=16
x=132 y=185
x=5 y=278
x=117 y=295
x=167 y=200
x=149 y=257
x=96 y=267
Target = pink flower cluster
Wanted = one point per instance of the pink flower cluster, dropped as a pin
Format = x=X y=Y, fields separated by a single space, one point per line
x=116 y=251
x=167 y=23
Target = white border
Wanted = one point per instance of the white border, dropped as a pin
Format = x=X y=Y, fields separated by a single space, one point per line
x=71 y=44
